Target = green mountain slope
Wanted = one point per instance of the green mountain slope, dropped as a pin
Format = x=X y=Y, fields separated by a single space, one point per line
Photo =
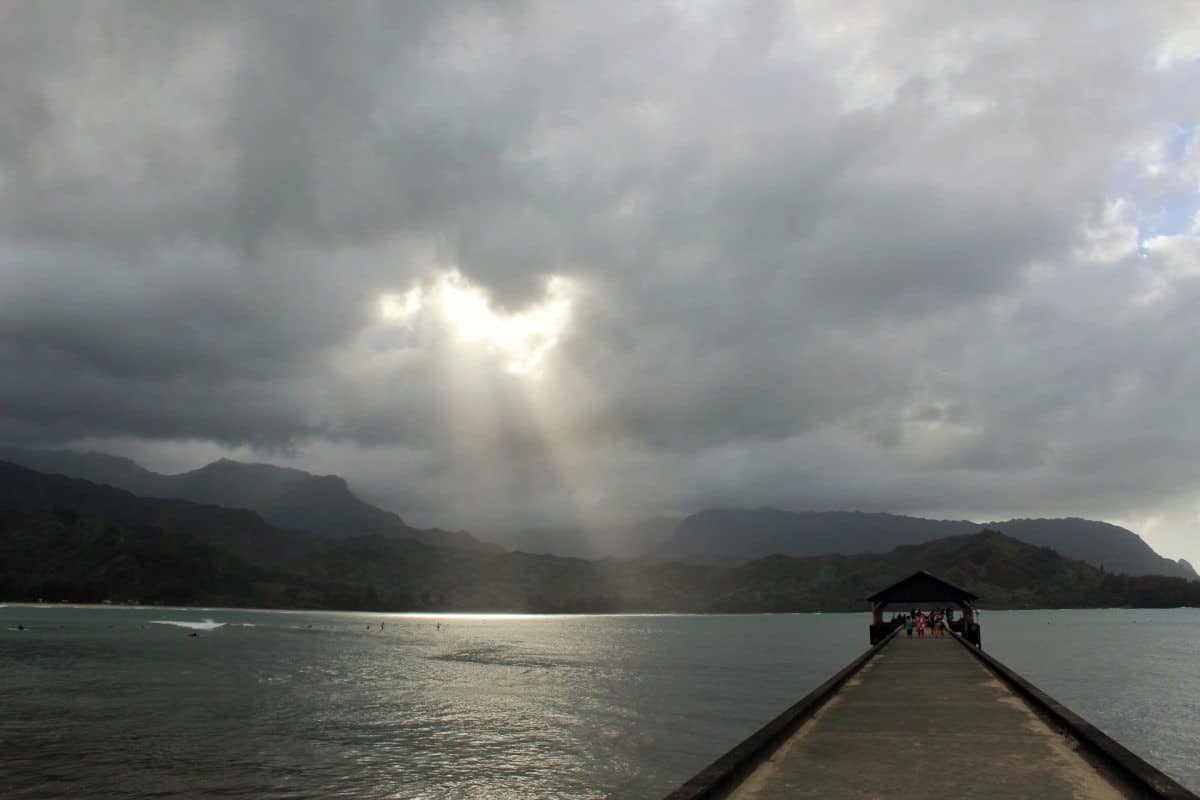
x=238 y=531
x=1005 y=572
x=65 y=555
x=284 y=497
x=733 y=535
x=71 y=557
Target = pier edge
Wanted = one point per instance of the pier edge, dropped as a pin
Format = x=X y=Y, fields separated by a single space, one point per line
x=1130 y=767
x=725 y=774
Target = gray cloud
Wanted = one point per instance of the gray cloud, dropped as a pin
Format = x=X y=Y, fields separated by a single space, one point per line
x=818 y=257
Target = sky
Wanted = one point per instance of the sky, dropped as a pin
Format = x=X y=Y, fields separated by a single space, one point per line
x=534 y=264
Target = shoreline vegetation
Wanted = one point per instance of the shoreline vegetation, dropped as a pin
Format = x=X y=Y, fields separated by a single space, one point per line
x=431 y=614
x=64 y=555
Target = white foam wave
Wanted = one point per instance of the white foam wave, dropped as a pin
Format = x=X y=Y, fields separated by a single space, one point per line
x=206 y=625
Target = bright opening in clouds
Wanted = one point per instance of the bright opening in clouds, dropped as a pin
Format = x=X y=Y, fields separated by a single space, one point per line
x=923 y=257
x=402 y=309
x=520 y=339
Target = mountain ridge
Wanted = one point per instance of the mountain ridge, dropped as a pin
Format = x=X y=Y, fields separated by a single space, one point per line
x=240 y=531
x=285 y=497
x=739 y=534
x=293 y=499
x=66 y=556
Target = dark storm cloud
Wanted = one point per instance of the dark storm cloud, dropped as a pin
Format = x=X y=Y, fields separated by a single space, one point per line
x=817 y=256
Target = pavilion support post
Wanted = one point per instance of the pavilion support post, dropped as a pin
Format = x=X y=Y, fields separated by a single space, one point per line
x=970 y=628
x=879 y=630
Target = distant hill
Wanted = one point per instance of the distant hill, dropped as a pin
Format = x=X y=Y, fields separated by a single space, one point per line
x=737 y=535
x=1004 y=572
x=1100 y=544
x=122 y=473
x=284 y=497
x=288 y=499
x=238 y=531
x=65 y=555
x=613 y=541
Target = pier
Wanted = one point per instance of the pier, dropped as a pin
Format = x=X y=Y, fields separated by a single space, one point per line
x=928 y=718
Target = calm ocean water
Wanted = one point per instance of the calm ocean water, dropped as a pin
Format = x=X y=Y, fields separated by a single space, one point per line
x=114 y=702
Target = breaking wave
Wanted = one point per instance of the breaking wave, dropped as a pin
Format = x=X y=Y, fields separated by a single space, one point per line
x=206 y=625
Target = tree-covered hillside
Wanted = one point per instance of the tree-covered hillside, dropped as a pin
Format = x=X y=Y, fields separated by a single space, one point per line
x=734 y=535
x=64 y=555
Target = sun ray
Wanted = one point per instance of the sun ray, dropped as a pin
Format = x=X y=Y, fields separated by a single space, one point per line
x=506 y=378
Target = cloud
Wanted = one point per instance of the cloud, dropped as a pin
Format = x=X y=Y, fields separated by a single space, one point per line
x=537 y=262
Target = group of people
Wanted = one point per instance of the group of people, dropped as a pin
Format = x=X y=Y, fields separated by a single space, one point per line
x=934 y=623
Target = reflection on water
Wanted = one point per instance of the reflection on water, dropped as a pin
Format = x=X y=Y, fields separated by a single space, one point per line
x=316 y=705
x=105 y=702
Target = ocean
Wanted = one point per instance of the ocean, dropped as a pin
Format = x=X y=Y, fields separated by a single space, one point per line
x=125 y=702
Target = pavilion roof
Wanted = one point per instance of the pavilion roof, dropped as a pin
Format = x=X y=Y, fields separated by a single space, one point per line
x=921 y=587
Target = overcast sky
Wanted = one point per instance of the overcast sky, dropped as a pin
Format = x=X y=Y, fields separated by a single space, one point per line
x=544 y=263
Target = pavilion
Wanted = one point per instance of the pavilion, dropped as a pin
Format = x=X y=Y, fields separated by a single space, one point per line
x=921 y=589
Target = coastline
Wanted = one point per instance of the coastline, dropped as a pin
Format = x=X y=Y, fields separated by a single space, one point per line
x=508 y=614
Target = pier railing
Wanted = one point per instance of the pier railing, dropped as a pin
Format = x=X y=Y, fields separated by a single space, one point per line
x=1103 y=750
x=1126 y=771
x=724 y=775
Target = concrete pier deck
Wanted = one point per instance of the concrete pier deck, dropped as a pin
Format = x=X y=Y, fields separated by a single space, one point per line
x=925 y=719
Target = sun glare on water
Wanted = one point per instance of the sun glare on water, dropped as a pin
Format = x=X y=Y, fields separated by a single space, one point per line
x=522 y=338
